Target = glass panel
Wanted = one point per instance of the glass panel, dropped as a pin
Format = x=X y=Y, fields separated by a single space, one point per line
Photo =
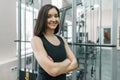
x=96 y=21
x=27 y=15
x=106 y=23
x=87 y=19
x=118 y=41
x=26 y=26
x=118 y=27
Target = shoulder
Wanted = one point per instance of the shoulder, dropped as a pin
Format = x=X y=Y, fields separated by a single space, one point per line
x=63 y=39
x=36 y=39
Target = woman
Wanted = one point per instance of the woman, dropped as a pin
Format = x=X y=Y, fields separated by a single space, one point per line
x=51 y=51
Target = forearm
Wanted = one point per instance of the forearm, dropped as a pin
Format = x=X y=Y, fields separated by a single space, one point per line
x=71 y=67
x=59 y=67
x=66 y=66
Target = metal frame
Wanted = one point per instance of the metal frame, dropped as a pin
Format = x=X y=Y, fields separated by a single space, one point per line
x=114 y=39
x=74 y=17
x=19 y=37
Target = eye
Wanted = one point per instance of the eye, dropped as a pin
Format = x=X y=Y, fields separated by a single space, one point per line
x=56 y=15
x=49 y=16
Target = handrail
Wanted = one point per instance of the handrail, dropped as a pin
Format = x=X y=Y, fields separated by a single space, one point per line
x=94 y=45
x=21 y=41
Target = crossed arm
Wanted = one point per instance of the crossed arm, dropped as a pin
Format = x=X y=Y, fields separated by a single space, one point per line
x=46 y=62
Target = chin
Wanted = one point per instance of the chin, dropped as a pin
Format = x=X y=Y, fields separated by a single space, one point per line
x=52 y=27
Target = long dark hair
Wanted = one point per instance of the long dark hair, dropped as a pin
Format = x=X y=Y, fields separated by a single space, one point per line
x=40 y=26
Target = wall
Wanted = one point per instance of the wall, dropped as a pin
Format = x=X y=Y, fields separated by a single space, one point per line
x=7 y=29
x=8 y=33
x=8 y=70
x=106 y=53
x=7 y=37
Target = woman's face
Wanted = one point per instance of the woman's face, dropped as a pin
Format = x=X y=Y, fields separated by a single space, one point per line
x=53 y=19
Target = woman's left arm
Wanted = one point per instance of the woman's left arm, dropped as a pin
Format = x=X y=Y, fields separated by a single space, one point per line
x=71 y=57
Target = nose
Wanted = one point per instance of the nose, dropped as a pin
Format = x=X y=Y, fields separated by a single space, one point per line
x=53 y=18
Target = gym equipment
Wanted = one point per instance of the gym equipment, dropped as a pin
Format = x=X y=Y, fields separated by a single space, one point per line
x=26 y=61
x=27 y=73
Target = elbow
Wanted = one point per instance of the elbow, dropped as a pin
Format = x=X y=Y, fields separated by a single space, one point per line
x=54 y=72
x=75 y=63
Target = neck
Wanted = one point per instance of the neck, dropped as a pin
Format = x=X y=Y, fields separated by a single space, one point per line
x=49 y=34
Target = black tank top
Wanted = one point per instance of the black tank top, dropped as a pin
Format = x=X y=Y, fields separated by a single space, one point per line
x=57 y=53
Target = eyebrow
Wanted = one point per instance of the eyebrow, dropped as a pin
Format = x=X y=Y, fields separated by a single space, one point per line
x=53 y=14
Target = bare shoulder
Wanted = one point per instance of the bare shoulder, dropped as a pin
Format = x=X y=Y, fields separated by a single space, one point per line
x=63 y=39
x=36 y=39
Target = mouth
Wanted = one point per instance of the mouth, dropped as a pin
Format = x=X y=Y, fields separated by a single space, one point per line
x=53 y=23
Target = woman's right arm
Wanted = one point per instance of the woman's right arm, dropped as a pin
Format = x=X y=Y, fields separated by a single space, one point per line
x=51 y=67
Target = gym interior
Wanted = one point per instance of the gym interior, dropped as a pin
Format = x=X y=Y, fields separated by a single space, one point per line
x=91 y=28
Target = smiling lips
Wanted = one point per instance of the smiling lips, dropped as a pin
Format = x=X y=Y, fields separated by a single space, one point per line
x=53 y=23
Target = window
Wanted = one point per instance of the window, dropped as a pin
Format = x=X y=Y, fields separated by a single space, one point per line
x=28 y=16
